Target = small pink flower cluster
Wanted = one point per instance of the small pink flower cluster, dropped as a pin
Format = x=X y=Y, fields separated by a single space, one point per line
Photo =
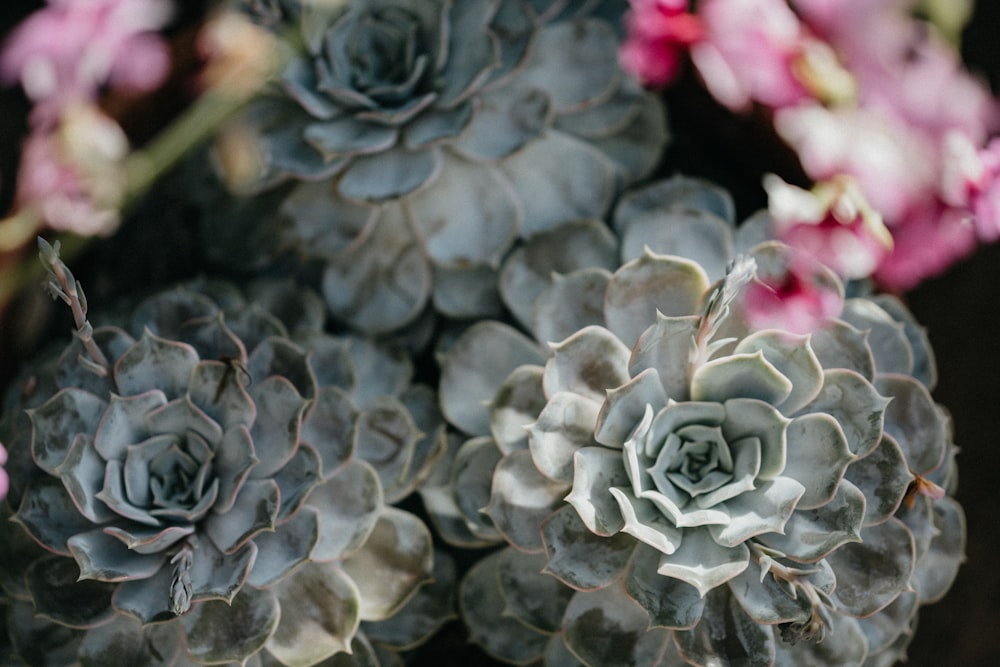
x=63 y=56
x=864 y=93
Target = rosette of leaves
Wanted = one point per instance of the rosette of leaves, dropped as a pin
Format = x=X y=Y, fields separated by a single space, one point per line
x=426 y=138
x=675 y=487
x=212 y=483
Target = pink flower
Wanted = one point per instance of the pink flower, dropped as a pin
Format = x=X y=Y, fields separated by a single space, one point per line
x=659 y=33
x=759 y=51
x=833 y=222
x=71 y=176
x=69 y=49
x=971 y=180
x=799 y=298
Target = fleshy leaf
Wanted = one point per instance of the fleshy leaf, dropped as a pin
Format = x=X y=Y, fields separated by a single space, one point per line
x=58 y=420
x=521 y=499
x=571 y=303
x=564 y=426
x=255 y=510
x=218 y=632
x=740 y=376
x=839 y=345
x=105 y=558
x=625 y=406
x=670 y=603
x=349 y=504
x=649 y=285
x=726 y=630
x=275 y=433
x=474 y=367
x=817 y=456
x=607 y=628
x=918 y=425
x=155 y=362
x=482 y=606
x=515 y=405
x=385 y=437
x=883 y=477
x=290 y=544
x=328 y=427
x=855 y=404
x=698 y=235
x=58 y=595
x=597 y=470
x=873 y=572
x=124 y=641
x=763 y=510
x=588 y=363
x=580 y=558
x=937 y=567
x=886 y=337
x=792 y=356
x=396 y=559
x=536 y=599
x=49 y=515
x=319 y=615
x=666 y=347
x=702 y=562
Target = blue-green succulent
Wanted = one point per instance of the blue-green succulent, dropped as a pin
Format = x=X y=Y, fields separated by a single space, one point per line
x=426 y=138
x=677 y=487
x=212 y=482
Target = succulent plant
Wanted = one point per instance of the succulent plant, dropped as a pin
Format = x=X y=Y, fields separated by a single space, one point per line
x=426 y=138
x=213 y=483
x=676 y=487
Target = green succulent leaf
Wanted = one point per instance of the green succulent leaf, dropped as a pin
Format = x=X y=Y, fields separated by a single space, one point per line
x=748 y=375
x=817 y=456
x=48 y=514
x=123 y=641
x=670 y=603
x=886 y=337
x=564 y=426
x=883 y=477
x=103 y=557
x=856 y=405
x=937 y=568
x=666 y=348
x=275 y=433
x=58 y=420
x=571 y=303
x=588 y=363
x=516 y=404
x=625 y=407
x=598 y=470
x=695 y=234
x=605 y=627
x=873 y=572
x=812 y=534
x=726 y=630
x=155 y=362
x=578 y=557
x=328 y=426
x=521 y=498
x=792 y=356
x=349 y=504
x=702 y=562
x=60 y=596
x=219 y=632
x=290 y=544
x=918 y=425
x=319 y=615
x=534 y=598
x=255 y=510
x=839 y=345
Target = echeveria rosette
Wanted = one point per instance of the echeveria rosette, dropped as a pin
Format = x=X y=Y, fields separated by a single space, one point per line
x=427 y=138
x=221 y=491
x=711 y=490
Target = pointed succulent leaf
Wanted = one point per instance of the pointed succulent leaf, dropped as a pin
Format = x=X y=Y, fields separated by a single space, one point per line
x=726 y=630
x=473 y=368
x=666 y=348
x=839 y=345
x=146 y=600
x=515 y=405
x=843 y=643
x=532 y=597
x=578 y=557
x=792 y=356
x=255 y=510
x=218 y=389
x=588 y=363
x=767 y=601
x=521 y=499
x=290 y=544
x=649 y=285
x=747 y=417
x=125 y=422
x=570 y=303
x=58 y=420
x=385 y=437
x=482 y=606
x=396 y=559
x=670 y=603
x=580 y=181
x=748 y=375
x=625 y=406
x=467 y=291
x=59 y=596
x=924 y=362
x=937 y=567
x=216 y=575
x=856 y=405
x=424 y=613
x=234 y=459
x=702 y=562
x=213 y=338
x=817 y=456
x=218 y=632
x=812 y=534
x=72 y=371
x=559 y=655
x=38 y=639
x=124 y=641
x=550 y=256
x=921 y=428
x=680 y=192
x=596 y=471
x=564 y=426
x=764 y=509
x=471 y=479
x=349 y=504
x=468 y=217
x=606 y=627
x=278 y=356
x=82 y=474
x=103 y=557
x=180 y=415
x=694 y=234
x=886 y=337
x=48 y=514
x=155 y=362
x=275 y=433
x=873 y=572
x=328 y=426
x=297 y=479
x=440 y=501
x=883 y=477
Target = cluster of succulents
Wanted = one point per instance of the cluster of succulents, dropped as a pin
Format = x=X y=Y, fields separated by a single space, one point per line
x=499 y=371
x=424 y=140
x=673 y=485
x=216 y=478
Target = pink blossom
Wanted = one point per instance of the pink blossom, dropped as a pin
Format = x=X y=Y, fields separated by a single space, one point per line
x=71 y=176
x=932 y=238
x=799 y=299
x=4 y=481
x=971 y=180
x=69 y=49
x=659 y=33
x=833 y=222
x=758 y=50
